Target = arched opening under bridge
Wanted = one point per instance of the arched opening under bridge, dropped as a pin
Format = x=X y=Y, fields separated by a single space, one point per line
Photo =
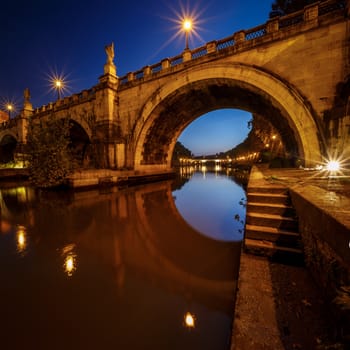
x=175 y=105
x=214 y=134
x=80 y=143
x=8 y=146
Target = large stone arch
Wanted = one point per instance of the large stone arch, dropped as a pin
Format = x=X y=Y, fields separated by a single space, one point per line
x=213 y=86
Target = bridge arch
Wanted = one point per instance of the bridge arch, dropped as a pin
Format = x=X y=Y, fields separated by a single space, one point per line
x=80 y=142
x=82 y=123
x=8 y=144
x=199 y=90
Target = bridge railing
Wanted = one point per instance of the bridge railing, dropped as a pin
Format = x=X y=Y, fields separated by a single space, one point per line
x=176 y=60
x=331 y=6
x=310 y=13
x=256 y=32
x=225 y=43
x=8 y=124
x=79 y=97
x=291 y=20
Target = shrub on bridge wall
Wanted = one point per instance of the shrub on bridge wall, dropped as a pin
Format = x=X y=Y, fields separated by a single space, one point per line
x=50 y=158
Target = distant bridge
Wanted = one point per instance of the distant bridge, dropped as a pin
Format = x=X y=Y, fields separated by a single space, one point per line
x=292 y=70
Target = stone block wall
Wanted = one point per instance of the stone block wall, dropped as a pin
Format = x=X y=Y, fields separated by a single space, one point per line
x=324 y=223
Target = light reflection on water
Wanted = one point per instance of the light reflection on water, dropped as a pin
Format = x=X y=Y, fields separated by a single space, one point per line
x=21 y=239
x=122 y=269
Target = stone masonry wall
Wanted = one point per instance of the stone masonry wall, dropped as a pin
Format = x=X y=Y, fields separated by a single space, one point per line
x=324 y=223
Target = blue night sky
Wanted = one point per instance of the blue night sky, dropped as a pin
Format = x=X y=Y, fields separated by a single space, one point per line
x=40 y=38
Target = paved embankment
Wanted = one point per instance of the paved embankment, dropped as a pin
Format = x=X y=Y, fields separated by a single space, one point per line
x=280 y=306
x=107 y=177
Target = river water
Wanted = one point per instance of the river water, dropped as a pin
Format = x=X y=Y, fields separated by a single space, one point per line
x=152 y=266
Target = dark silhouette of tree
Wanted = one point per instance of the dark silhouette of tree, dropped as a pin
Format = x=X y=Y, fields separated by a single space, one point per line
x=284 y=7
x=180 y=151
x=50 y=158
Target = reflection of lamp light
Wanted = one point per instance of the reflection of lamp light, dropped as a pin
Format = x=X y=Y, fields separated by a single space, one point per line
x=190 y=321
x=21 y=239
x=70 y=263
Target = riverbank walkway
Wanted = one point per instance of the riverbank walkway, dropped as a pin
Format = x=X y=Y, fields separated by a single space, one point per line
x=279 y=306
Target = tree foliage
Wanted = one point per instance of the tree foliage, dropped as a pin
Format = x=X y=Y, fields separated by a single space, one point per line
x=50 y=158
x=284 y=7
x=180 y=151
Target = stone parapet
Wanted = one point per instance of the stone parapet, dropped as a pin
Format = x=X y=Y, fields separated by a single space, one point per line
x=326 y=215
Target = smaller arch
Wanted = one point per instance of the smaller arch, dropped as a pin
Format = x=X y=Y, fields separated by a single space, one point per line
x=8 y=144
x=83 y=123
x=80 y=144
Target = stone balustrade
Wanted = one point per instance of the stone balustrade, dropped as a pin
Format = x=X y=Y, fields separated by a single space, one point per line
x=68 y=100
x=308 y=16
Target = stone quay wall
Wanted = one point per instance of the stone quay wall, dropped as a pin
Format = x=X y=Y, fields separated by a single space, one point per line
x=324 y=223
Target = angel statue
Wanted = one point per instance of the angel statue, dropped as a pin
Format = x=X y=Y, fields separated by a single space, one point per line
x=26 y=95
x=110 y=53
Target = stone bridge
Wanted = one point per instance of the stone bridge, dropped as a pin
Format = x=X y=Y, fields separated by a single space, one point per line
x=292 y=70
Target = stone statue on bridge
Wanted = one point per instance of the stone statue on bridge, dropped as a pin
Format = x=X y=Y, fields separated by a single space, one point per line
x=110 y=53
x=27 y=104
x=26 y=95
x=109 y=67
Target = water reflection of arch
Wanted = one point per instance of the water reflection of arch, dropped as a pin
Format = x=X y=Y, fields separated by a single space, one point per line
x=140 y=238
x=15 y=204
x=183 y=253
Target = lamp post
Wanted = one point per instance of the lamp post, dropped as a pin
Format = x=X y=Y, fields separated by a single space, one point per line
x=187 y=27
x=9 y=108
x=58 y=85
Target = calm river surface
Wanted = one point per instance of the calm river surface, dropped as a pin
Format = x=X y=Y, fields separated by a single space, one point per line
x=146 y=267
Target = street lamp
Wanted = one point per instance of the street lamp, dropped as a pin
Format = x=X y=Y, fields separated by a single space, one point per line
x=333 y=165
x=58 y=85
x=187 y=27
x=9 y=108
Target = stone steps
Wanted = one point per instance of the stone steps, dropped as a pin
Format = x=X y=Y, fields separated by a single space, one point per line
x=268 y=189
x=270 y=249
x=268 y=208
x=272 y=220
x=271 y=234
x=271 y=227
x=268 y=198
